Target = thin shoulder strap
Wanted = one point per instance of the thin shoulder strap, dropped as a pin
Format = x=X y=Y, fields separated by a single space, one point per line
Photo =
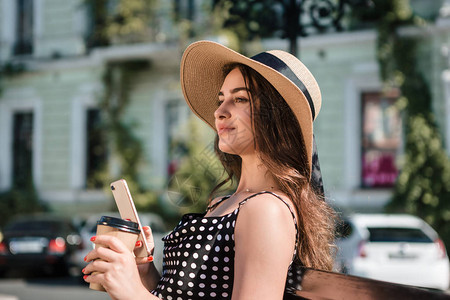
x=290 y=209
x=213 y=206
x=273 y=194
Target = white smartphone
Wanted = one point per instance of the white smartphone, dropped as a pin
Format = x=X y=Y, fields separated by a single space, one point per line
x=127 y=210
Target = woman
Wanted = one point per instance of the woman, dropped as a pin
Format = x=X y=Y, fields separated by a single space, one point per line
x=247 y=245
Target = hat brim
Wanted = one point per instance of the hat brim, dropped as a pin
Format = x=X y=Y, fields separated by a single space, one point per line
x=202 y=77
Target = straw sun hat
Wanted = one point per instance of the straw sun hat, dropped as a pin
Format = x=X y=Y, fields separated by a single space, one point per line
x=202 y=77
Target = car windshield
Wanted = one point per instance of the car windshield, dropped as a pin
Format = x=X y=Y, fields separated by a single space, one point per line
x=391 y=234
x=37 y=225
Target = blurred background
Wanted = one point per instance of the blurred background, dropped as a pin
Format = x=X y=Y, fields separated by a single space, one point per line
x=90 y=93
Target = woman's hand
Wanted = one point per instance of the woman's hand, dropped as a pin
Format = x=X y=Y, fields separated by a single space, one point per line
x=151 y=245
x=147 y=270
x=118 y=272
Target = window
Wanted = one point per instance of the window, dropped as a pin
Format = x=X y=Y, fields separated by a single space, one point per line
x=96 y=154
x=24 y=27
x=184 y=10
x=176 y=118
x=22 y=149
x=381 y=140
x=394 y=234
x=98 y=11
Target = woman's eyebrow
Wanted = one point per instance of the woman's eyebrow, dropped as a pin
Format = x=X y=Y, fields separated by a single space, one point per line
x=235 y=90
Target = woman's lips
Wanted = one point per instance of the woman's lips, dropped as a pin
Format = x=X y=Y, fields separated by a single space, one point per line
x=222 y=130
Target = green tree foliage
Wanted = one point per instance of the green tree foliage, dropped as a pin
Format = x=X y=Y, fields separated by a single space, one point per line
x=125 y=147
x=10 y=69
x=198 y=171
x=244 y=21
x=19 y=201
x=120 y=22
x=423 y=185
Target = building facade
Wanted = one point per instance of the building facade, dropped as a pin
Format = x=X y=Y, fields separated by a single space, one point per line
x=51 y=100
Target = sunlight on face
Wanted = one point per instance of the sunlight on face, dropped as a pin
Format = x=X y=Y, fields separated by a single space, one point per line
x=233 y=116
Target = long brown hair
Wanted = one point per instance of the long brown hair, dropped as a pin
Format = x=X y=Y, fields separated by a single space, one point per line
x=280 y=145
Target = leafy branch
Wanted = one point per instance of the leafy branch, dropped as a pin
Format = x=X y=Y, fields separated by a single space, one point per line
x=423 y=185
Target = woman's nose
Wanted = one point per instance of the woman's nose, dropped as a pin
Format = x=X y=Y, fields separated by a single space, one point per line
x=222 y=111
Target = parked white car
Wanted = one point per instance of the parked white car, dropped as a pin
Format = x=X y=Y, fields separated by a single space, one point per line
x=395 y=248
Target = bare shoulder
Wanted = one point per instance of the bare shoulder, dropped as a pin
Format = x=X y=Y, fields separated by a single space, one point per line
x=268 y=204
x=267 y=210
x=265 y=222
x=263 y=227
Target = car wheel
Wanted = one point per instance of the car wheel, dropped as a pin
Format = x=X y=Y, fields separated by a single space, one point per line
x=3 y=272
x=61 y=269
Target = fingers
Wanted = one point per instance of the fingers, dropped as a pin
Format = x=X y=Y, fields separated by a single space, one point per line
x=94 y=272
x=111 y=242
x=113 y=266
x=102 y=253
x=106 y=248
x=147 y=231
x=144 y=260
x=103 y=259
x=149 y=236
x=97 y=266
x=94 y=278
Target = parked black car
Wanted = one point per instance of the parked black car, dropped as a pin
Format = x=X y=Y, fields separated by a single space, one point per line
x=44 y=243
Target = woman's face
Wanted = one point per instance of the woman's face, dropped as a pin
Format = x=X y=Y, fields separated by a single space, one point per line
x=233 y=116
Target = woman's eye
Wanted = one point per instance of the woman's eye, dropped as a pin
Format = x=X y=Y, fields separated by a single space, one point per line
x=240 y=100
x=219 y=102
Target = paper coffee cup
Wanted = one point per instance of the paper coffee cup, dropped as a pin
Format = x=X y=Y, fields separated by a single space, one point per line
x=126 y=231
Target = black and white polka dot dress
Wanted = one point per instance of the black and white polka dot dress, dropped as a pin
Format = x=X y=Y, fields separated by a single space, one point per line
x=198 y=258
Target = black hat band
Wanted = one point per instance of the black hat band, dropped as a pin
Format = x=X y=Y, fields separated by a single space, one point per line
x=280 y=66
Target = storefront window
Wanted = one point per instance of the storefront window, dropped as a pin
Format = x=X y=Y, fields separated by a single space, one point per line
x=381 y=140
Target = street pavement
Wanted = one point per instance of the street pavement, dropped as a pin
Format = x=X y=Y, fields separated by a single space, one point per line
x=47 y=288
x=50 y=288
